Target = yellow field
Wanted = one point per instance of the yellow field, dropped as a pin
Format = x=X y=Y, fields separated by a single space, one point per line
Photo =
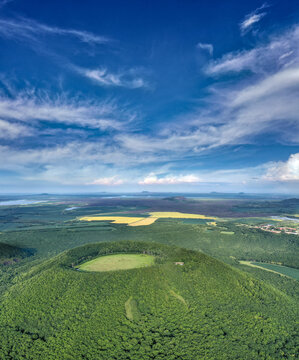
x=213 y=223
x=144 y=221
x=179 y=215
x=153 y=216
x=113 y=219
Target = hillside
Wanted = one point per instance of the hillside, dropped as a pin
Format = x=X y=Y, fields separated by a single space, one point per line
x=201 y=309
x=10 y=254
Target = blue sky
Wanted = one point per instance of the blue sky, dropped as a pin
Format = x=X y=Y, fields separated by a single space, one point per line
x=146 y=95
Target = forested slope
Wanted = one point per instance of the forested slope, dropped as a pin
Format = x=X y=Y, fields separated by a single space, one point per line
x=203 y=309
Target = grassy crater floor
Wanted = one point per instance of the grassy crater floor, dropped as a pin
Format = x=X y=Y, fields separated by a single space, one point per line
x=118 y=262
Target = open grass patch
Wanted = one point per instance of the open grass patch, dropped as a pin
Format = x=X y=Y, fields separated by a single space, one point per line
x=179 y=297
x=118 y=262
x=132 y=312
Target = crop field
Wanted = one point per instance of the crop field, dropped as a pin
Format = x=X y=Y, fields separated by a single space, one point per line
x=143 y=221
x=130 y=221
x=118 y=262
x=179 y=215
x=114 y=219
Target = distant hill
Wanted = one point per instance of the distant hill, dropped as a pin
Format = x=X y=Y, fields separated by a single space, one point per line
x=175 y=198
x=290 y=202
x=197 y=309
x=10 y=254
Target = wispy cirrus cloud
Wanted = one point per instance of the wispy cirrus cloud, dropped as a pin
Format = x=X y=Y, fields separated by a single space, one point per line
x=207 y=47
x=32 y=33
x=31 y=108
x=253 y=18
x=13 y=130
x=236 y=112
x=29 y=29
x=278 y=52
x=128 y=79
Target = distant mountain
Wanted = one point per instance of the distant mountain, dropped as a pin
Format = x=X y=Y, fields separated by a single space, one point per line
x=290 y=202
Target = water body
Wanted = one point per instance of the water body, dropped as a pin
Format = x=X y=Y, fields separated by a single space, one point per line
x=72 y=208
x=20 y=202
x=284 y=218
x=284 y=270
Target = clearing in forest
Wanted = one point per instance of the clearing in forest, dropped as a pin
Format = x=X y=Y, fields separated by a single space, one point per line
x=177 y=296
x=118 y=262
x=132 y=312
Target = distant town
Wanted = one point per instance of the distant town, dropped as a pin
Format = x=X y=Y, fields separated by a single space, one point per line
x=274 y=229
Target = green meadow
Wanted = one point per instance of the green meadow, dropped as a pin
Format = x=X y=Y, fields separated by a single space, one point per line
x=118 y=262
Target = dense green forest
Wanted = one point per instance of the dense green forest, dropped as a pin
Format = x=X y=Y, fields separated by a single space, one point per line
x=203 y=309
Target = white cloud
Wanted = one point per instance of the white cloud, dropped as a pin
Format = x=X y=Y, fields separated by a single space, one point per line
x=82 y=159
x=152 y=179
x=105 y=78
x=107 y=181
x=207 y=47
x=279 y=82
x=236 y=112
x=253 y=18
x=30 y=30
x=284 y=171
x=279 y=52
x=31 y=107
x=237 y=116
x=12 y=130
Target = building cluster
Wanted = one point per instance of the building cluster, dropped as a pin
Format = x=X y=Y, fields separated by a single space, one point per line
x=275 y=229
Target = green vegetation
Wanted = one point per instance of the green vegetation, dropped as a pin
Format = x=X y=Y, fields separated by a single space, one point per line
x=284 y=270
x=10 y=254
x=56 y=312
x=118 y=262
x=132 y=312
x=202 y=309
